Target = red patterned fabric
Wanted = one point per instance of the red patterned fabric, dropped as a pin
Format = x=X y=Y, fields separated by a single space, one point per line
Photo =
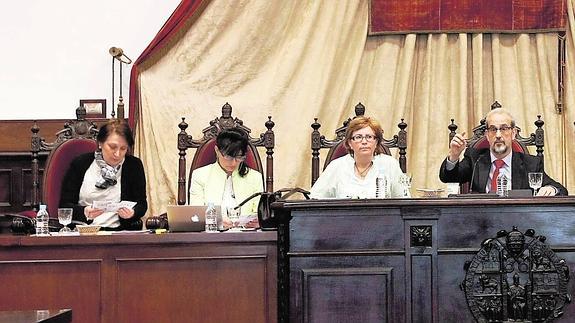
x=337 y=151
x=434 y=16
x=56 y=166
x=498 y=164
x=187 y=9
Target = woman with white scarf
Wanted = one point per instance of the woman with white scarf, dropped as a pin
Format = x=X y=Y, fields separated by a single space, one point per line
x=107 y=175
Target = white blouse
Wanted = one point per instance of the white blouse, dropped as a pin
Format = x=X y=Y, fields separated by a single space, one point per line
x=339 y=180
x=90 y=193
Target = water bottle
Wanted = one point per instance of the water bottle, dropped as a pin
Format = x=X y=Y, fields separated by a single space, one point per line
x=381 y=186
x=502 y=185
x=42 y=221
x=211 y=218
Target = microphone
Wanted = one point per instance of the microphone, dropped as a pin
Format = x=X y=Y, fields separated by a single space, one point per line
x=473 y=173
x=118 y=53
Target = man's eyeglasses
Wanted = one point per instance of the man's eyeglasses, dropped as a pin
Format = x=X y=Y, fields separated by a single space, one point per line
x=505 y=129
x=359 y=138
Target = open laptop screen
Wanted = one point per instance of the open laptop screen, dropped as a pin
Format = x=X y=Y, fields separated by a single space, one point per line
x=189 y=218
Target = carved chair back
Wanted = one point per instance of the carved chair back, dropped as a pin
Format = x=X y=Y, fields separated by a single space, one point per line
x=205 y=153
x=77 y=137
x=520 y=144
x=336 y=147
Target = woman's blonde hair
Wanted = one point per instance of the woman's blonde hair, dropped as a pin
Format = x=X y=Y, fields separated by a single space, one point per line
x=360 y=123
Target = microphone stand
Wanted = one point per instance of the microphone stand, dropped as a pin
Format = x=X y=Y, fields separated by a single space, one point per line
x=473 y=173
x=266 y=218
x=118 y=53
x=277 y=194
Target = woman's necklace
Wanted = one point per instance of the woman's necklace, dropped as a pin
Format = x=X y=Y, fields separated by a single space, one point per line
x=362 y=173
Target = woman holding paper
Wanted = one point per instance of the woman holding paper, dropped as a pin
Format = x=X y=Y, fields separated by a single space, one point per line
x=229 y=180
x=100 y=185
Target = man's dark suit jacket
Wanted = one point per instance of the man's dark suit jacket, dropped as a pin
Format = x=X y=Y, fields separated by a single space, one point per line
x=477 y=163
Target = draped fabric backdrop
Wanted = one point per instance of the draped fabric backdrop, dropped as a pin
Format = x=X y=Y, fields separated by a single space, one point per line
x=296 y=60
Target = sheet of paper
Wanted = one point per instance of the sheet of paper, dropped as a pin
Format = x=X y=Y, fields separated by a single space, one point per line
x=110 y=206
x=244 y=219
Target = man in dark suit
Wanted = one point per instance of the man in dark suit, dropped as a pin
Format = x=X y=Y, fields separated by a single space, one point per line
x=479 y=166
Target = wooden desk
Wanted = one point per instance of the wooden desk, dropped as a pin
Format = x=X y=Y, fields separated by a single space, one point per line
x=400 y=260
x=177 y=277
x=36 y=316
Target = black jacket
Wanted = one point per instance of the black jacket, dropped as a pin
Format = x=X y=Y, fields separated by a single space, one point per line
x=477 y=163
x=133 y=187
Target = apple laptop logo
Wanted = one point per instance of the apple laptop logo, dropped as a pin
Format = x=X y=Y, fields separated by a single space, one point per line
x=195 y=218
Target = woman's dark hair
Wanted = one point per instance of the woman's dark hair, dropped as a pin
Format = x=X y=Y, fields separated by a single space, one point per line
x=118 y=127
x=234 y=142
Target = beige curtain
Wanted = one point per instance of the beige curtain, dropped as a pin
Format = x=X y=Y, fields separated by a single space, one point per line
x=296 y=60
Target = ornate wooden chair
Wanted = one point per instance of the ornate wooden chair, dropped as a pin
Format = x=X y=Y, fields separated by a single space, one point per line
x=77 y=137
x=520 y=144
x=205 y=153
x=337 y=146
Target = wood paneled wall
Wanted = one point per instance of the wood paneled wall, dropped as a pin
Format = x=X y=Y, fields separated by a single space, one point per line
x=15 y=160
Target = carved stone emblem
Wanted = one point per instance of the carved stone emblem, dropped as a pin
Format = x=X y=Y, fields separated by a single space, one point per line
x=516 y=277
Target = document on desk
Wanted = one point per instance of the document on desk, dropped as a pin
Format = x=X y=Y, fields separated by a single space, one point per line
x=126 y=232
x=245 y=219
x=110 y=206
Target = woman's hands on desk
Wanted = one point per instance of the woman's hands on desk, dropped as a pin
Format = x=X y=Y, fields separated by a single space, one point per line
x=125 y=213
x=254 y=223
x=547 y=191
x=92 y=213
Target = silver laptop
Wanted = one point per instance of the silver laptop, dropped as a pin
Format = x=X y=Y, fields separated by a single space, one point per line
x=188 y=218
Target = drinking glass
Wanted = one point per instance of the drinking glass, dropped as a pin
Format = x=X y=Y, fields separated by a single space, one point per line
x=234 y=216
x=65 y=218
x=535 y=181
x=405 y=181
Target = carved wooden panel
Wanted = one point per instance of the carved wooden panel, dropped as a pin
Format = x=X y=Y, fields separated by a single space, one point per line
x=225 y=289
x=15 y=135
x=16 y=181
x=175 y=277
x=15 y=157
x=426 y=242
x=6 y=187
x=364 y=294
x=27 y=183
x=44 y=284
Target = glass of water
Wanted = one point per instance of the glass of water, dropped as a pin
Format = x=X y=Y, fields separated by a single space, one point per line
x=535 y=181
x=234 y=217
x=65 y=218
x=405 y=181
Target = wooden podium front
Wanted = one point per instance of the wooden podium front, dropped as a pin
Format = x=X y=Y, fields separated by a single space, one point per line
x=176 y=277
x=403 y=260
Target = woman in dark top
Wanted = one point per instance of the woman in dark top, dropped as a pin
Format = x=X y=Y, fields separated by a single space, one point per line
x=107 y=175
